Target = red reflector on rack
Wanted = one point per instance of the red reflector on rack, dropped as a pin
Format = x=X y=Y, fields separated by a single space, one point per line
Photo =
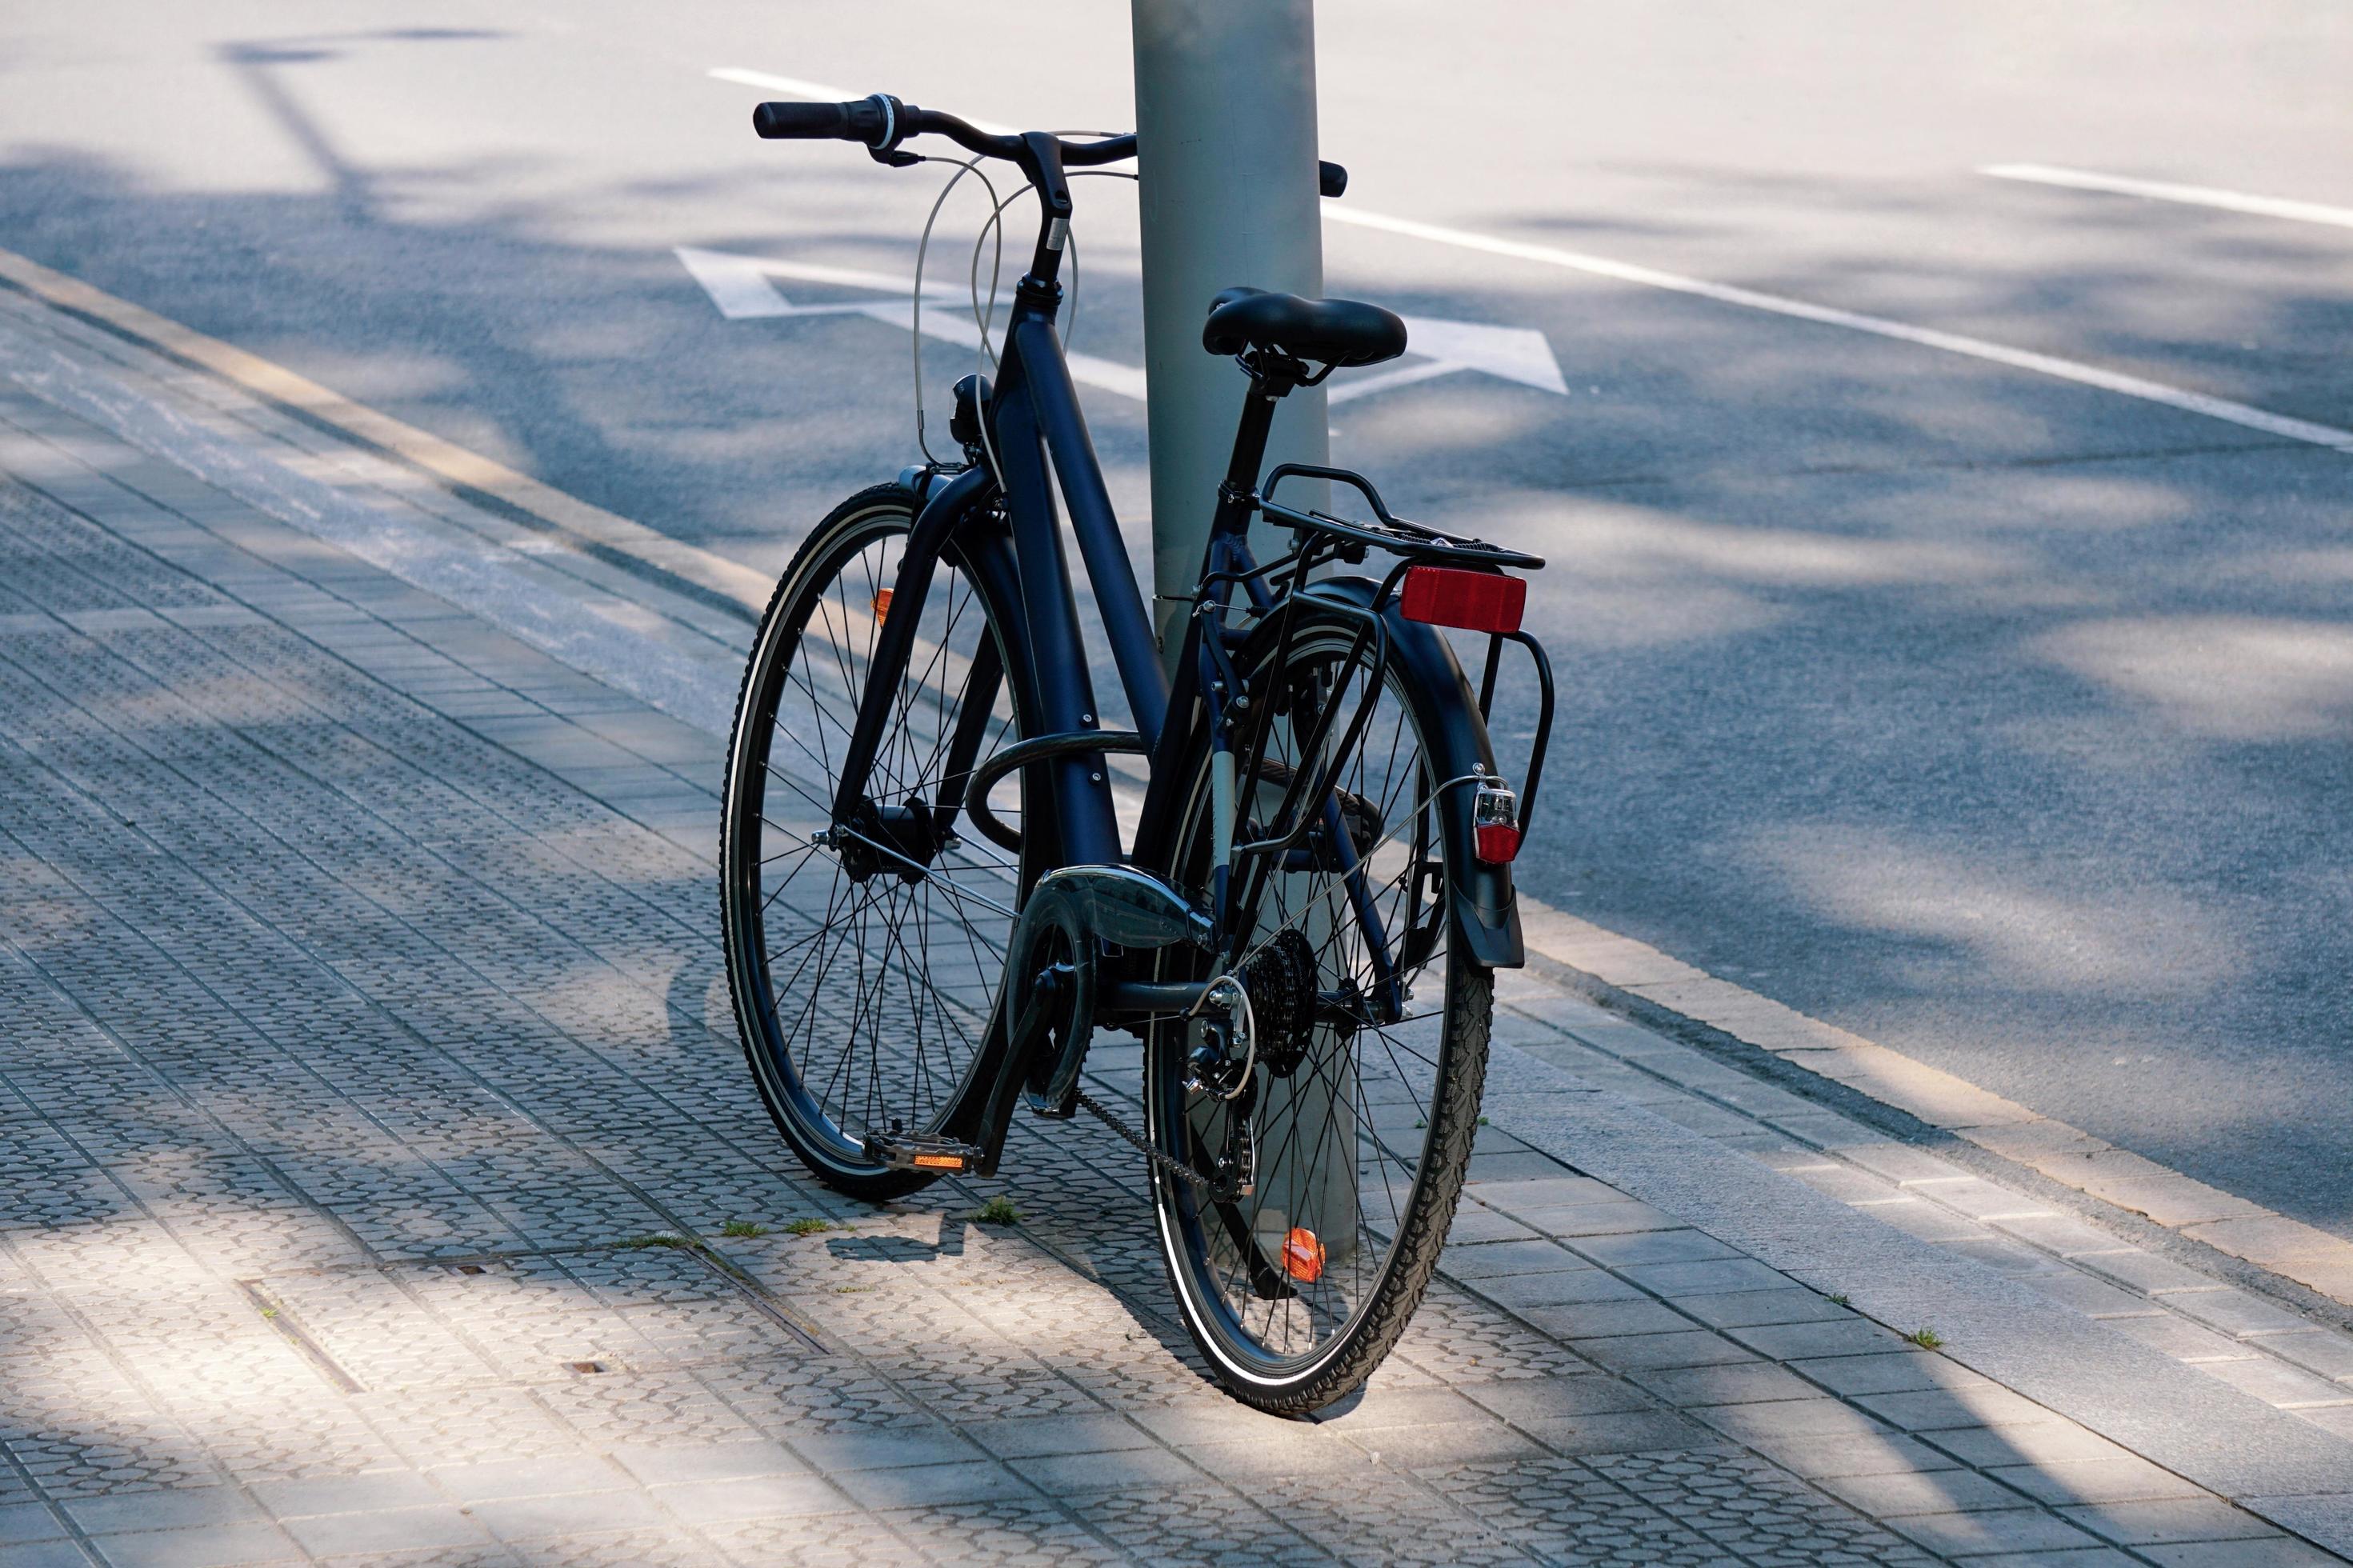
x=1474 y=601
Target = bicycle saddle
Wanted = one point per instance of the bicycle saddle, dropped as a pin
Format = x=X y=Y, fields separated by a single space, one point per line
x=1330 y=332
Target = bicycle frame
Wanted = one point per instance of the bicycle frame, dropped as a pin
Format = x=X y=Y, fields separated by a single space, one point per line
x=1032 y=416
x=1033 y=413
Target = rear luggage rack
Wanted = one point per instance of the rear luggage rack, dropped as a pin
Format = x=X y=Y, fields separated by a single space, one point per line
x=1399 y=536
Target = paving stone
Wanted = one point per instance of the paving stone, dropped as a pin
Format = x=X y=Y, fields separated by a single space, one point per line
x=1652 y=1246
x=1645 y=1353
x=200 y=1546
x=1496 y=1259
x=1842 y=1336
x=25 y=1521
x=2275 y=1383
x=1565 y=1290
x=924 y=1485
x=1996 y=1529
x=1678 y=1282
x=2232 y=1311
x=387 y=1530
x=1894 y=1494
x=1059 y=1474
x=2150 y=1523
x=1747 y=1383
x=1751 y=1309
x=2274 y=1551
x=1886 y=1371
x=161 y=1509
x=748 y=1497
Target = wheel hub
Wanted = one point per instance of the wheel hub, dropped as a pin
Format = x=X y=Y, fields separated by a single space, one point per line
x=904 y=838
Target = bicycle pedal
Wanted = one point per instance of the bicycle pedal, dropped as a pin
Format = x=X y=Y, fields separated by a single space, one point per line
x=901 y=1151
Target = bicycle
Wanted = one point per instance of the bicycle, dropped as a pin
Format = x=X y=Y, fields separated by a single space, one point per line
x=1303 y=931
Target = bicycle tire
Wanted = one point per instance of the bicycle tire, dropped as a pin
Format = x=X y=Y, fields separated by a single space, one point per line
x=875 y=985
x=1206 y=1248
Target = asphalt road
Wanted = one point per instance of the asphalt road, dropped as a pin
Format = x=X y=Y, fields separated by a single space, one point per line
x=1998 y=717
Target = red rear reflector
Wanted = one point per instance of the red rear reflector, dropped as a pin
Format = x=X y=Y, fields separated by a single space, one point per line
x=1498 y=843
x=1474 y=601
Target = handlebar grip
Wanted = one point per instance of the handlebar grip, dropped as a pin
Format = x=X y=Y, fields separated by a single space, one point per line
x=818 y=122
x=1330 y=178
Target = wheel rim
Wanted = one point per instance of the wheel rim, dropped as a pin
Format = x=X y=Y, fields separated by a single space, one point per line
x=1363 y=1104
x=865 y=998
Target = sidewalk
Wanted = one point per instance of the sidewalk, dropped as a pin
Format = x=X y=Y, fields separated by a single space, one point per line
x=371 y=1118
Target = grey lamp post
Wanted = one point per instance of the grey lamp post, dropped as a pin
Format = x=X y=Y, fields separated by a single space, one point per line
x=1225 y=118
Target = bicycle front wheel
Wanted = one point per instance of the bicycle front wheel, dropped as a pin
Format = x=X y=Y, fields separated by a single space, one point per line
x=864 y=965
x=1360 y=1112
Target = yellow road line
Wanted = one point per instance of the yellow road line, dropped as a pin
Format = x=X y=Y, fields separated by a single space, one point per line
x=2073 y=1158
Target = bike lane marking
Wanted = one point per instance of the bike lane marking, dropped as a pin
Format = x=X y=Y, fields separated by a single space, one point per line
x=2166 y=191
x=2052 y=366
x=1632 y=973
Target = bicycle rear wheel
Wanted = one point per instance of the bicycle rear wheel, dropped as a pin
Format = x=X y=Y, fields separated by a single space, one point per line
x=1363 y=1101
x=864 y=980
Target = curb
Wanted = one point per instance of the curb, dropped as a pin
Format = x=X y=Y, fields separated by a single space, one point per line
x=1630 y=971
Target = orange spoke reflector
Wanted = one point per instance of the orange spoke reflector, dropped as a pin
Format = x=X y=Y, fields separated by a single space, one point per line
x=1302 y=1255
x=881 y=606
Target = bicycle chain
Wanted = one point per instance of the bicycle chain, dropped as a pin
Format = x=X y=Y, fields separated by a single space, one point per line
x=1160 y=1160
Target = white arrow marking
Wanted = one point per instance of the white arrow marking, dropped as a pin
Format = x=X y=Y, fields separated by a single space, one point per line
x=741 y=287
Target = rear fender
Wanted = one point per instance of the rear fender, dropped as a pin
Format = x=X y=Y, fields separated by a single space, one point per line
x=1454 y=739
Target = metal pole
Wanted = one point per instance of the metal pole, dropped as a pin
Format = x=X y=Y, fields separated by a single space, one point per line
x=1225 y=118
x=1224 y=121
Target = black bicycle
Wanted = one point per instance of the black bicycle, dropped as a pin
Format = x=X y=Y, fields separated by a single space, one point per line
x=1303 y=927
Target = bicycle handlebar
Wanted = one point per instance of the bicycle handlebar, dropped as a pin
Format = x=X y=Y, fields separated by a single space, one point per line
x=881 y=122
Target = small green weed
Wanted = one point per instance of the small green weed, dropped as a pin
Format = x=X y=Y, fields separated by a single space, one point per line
x=998 y=1211
x=744 y=1227
x=1841 y=1300
x=1926 y=1339
x=658 y=1238
x=810 y=1226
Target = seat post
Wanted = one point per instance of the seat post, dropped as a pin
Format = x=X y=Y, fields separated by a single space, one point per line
x=1267 y=388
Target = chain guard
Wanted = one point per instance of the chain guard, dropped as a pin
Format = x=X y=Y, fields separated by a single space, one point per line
x=1052 y=964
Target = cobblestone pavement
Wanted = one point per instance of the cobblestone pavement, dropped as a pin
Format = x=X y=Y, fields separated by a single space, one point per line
x=379 y=1181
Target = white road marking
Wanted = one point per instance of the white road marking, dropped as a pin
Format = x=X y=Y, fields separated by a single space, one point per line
x=2162 y=191
x=739 y=287
x=2052 y=365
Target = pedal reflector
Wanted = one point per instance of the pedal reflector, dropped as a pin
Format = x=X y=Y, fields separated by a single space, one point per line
x=1473 y=601
x=939 y=1161
x=881 y=606
x=1302 y=1255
